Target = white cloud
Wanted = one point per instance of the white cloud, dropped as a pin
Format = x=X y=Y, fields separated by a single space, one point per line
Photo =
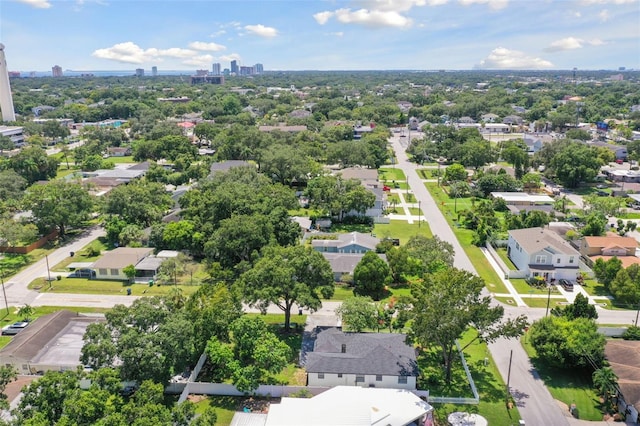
x=38 y=4
x=393 y=5
x=127 y=52
x=568 y=43
x=261 y=30
x=502 y=58
x=199 y=61
x=589 y=2
x=493 y=4
x=322 y=17
x=130 y=53
x=571 y=43
x=231 y=57
x=604 y=15
x=337 y=34
x=218 y=33
x=374 y=18
x=206 y=47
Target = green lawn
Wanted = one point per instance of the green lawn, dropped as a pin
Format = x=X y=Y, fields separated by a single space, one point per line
x=342 y=292
x=401 y=230
x=630 y=215
x=225 y=407
x=86 y=286
x=465 y=236
x=415 y=211
x=502 y=252
x=428 y=173
x=490 y=386
x=524 y=288
x=571 y=386
x=97 y=246
x=387 y=173
x=396 y=185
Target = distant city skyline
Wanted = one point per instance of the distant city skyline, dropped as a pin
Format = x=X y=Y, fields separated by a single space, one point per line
x=88 y=35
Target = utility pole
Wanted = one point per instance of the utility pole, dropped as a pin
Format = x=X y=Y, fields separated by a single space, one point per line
x=6 y=302
x=508 y=378
x=46 y=256
x=549 y=300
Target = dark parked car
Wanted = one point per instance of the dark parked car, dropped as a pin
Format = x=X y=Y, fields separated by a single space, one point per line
x=602 y=194
x=15 y=328
x=567 y=285
x=83 y=273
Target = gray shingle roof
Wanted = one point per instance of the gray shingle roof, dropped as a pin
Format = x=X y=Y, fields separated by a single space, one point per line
x=365 y=353
x=535 y=239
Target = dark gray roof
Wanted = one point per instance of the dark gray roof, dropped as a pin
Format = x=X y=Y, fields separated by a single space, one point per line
x=346 y=262
x=26 y=344
x=366 y=353
x=226 y=165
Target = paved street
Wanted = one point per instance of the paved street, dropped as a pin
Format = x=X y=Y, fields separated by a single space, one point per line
x=16 y=286
x=534 y=401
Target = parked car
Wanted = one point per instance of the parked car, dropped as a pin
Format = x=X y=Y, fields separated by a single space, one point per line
x=15 y=328
x=83 y=273
x=567 y=285
x=602 y=194
x=619 y=161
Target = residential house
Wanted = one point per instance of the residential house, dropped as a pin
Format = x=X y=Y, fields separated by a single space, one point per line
x=359 y=130
x=466 y=120
x=619 y=151
x=110 y=266
x=541 y=252
x=404 y=106
x=353 y=242
x=414 y=124
x=369 y=179
x=534 y=144
x=225 y=166
x=382 y=360
x=522 y=198
x=283 y=128
x=624 y=358
x=489 y=118
x=624 y=248
x=514 y=120
x=345 y=263
x=353 y=406
x=118 y=151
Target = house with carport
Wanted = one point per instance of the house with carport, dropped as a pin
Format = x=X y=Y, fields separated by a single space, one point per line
x=110 y=266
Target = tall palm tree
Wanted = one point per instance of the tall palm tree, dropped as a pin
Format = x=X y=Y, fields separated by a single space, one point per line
x=605 y=381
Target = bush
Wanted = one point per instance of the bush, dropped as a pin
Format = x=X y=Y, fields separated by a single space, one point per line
x=632 y=333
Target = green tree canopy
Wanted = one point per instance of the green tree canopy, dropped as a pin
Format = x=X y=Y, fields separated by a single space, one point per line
x=357 y=314
x=564 y=343
x=59 y=204
x=371 y=275
x=449 y=302
x=285 y=276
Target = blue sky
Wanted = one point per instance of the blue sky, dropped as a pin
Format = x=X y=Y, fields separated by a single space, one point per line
x=321 y=35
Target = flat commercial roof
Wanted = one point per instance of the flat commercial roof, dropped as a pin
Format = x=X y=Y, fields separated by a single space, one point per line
x=522 y=197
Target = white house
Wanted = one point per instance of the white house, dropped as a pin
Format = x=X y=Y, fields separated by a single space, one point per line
x=111 y=264
x=541 y=252
x=382 y=360
x=345 y=405
x=353 y=242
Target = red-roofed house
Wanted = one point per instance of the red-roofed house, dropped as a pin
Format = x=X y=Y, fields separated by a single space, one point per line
x=624 y=248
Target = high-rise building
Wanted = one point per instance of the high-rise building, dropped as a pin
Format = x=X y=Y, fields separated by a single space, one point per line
x=234 y=67
x=202 y=72
x=258 y=68
x=56 y=71
x=154 y=71
x=215 y=69
x=6 y=101
x=139 y=72
x=247 y=71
